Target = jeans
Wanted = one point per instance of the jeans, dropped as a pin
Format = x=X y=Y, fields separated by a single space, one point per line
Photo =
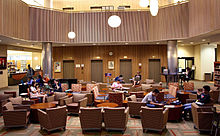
x=187 y=108
x=151 y=106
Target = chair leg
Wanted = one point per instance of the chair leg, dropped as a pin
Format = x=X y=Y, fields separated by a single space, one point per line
x=64 y=128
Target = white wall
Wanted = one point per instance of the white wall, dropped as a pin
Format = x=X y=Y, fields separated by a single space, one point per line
x=185 y=51
x=207 y=58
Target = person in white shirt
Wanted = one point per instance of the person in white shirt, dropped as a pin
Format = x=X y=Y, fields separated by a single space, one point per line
x=150 y=99
x=116 y=85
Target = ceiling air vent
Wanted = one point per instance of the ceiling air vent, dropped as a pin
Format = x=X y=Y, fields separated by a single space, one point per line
x=68 y=8
x=123 y=7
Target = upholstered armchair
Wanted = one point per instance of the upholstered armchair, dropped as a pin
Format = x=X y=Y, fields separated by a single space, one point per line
x=76 y=88
x=89 y=87
x=174 y=84
x=75 y=102
x=134 y=105
x=90 y=118
x=53 y=118
x=202 y=117
x=4 y=100
x=64 y=86
x=97 y=95
x=153 y=118
x=188 y=86
x=15 y=118
x=214 y=94
x=116 y=118
x=172 y=92
x=19 y=103
x=115 y=97
x=57 y=98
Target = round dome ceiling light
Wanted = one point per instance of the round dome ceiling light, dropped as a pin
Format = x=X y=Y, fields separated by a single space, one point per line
x=114 y=21
x=144 y=3
x=71 y=35
x=154 y=7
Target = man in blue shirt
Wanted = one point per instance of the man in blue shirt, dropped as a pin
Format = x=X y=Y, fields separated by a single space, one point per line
x=150 y=99
x=203 y=98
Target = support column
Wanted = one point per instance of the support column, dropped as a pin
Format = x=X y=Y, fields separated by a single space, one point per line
x=47 y=59
x=172 y=56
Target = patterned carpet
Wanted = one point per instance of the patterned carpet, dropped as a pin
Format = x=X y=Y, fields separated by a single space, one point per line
x=134 y=128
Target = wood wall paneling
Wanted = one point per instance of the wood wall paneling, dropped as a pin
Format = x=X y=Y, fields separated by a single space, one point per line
x=84 y=55
x=14 y=19
x=204 y=16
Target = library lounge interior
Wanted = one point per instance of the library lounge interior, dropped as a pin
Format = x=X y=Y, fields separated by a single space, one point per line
x=94 y=67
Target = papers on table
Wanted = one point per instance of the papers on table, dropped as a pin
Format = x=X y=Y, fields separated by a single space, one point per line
x=169 y=106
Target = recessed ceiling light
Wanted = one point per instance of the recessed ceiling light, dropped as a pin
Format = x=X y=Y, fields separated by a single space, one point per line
x=179 y=41
x=32 y=45
x=63 y=44
x=18 y=43
x=126 y=43
x=191 y=42
x=0 y=40
x=93 y=44
x=203 y=40
x=158 y=43
x=125 y=57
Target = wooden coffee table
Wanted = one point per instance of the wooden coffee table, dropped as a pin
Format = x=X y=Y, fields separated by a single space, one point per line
x=175 y=112
x=108 y=104
x=35 y=107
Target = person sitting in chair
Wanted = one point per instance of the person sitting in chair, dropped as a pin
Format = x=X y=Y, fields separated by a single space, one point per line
x=117 y=85
x=137 y=79
x=202 y=98
x=57 y=86
x=150 y=99
x=120 y=77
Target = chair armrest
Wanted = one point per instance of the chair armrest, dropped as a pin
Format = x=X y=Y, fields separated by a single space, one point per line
x=50 y=98
x=27 y=102
x=61 y=100
x=68 y=100
x=43 y=119
x=15 y=113
x=83 y=102
x=139 y=99
x=64 y=97
x=19 y=107
x=190 y=100
x=127 y=110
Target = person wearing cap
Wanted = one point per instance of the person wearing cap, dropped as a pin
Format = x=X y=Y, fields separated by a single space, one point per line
x=117 y=85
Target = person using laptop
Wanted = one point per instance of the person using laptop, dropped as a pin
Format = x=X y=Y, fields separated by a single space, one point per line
x=117 y=85
x=137 y=79
x=150 y=99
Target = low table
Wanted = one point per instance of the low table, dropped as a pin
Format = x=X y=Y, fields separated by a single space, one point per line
x=175 y=112
x=108 y=104
x=35 y=107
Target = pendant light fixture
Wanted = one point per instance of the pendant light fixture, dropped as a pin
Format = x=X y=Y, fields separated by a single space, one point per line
x=71 y=34
x=154 y=7
x=114 y=21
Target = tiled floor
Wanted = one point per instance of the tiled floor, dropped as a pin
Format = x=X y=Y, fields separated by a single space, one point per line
x=134 y=128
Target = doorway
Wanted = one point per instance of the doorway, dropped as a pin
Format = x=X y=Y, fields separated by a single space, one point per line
x=126 y=69
x=97 y=70
x=184 y=62
x=154 y=69
x=68 y=69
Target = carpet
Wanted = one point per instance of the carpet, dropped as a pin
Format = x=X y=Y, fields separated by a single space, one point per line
x=134 y=128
